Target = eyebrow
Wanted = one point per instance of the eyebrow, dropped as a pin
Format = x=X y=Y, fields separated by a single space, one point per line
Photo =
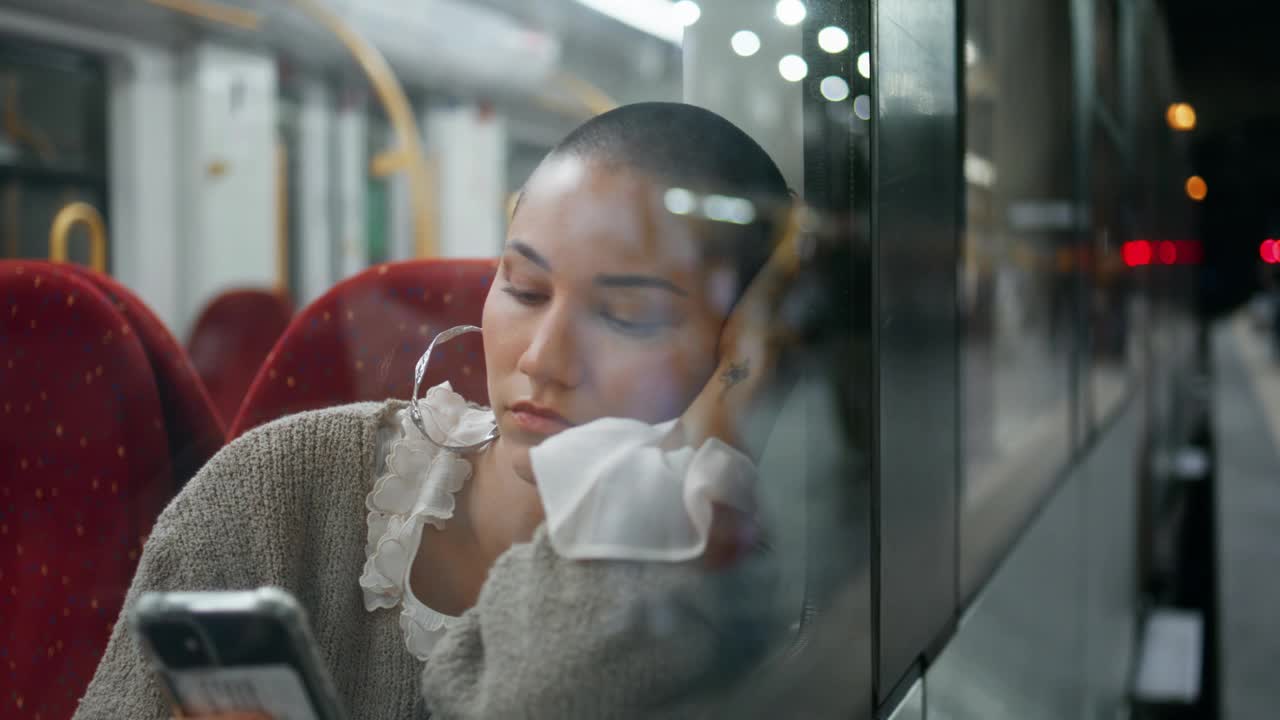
x=639 y=281
x=604 y=281
x=532 y=255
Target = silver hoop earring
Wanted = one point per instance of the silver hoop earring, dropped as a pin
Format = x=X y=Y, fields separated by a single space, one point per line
x=416 y=414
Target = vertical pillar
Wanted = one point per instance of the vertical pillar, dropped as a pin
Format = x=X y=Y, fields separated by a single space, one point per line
x=315 y=180
x=468 y=150
x=228 y=158
x=143 y=140
x=351 y=171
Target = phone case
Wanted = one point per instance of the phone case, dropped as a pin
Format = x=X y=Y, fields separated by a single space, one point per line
x=270 y=603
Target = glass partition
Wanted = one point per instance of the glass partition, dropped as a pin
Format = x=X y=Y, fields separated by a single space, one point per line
x=309 y=200
x=1019 y=270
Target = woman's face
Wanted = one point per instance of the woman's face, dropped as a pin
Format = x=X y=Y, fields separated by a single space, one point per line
x=601 y=308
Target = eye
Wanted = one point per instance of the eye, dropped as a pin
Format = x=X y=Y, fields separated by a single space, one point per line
x=635 y=329
x=525 y=297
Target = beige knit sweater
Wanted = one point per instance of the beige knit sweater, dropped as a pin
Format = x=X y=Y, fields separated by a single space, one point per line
x=549 y=638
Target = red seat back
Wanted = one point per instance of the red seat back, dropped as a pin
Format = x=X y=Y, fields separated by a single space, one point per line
x=231 y=339
x=84 y=471
x=196 y=430
x=362 y=338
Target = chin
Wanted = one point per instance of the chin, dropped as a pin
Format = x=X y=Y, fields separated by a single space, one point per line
x=523 y=467
x=517 y=455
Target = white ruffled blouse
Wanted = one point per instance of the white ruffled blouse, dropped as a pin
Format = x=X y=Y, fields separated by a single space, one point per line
x=608 y=491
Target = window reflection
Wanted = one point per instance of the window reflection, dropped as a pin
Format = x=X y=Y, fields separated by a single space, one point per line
x=1112 y=302
x=261 y=209
x=52 y=144
x=1018 y=266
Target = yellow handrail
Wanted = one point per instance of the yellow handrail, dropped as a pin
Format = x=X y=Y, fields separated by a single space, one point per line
x=409 y=153
x=214 y=12
x=64 y=222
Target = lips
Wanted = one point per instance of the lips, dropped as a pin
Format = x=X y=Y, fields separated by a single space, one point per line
x=538 y=420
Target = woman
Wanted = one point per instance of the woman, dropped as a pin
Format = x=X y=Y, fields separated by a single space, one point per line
x=430 y=585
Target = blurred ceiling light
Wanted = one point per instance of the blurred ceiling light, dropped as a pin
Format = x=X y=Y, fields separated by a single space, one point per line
x=789 y=12
x=660 y=18
x=979 y=170
x=687 y=12
x=1197 y=189
x=723 y=208
x=793 y=68
x=1181 y=116
x=862 y=107
x=679 y=201
x=971 y=53
x=745 y=43
x=834 y=88
x=833 y=39
x=864 y=64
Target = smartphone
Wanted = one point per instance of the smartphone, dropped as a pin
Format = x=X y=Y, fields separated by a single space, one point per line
x=223 y=652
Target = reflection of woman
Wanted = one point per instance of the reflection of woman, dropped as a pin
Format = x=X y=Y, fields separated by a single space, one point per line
x=606 y=305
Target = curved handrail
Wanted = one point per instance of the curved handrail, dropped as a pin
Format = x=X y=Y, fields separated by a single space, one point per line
x=408 y=155
x=64 y=222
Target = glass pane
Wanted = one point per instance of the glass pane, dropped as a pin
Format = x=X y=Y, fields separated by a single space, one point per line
x=1018 y=274
x=54 y=101
x=52 y=144
x=308 y=202
x=1114 y=303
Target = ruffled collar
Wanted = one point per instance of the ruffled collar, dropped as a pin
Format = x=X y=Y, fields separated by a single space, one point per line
x=417 y=487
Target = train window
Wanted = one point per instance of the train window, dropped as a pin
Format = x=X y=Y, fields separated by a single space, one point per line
x=1018 y=269
x=53 y=142
x=1106 y=51
x=1113 y=305
x=309 y=194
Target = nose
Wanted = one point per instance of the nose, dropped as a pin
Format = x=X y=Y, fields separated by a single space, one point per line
x=552 y=356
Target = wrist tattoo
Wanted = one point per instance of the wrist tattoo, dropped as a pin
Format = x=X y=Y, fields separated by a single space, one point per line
x=736 y=373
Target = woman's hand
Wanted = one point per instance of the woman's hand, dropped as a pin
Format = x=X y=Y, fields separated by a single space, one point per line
x=750 y=345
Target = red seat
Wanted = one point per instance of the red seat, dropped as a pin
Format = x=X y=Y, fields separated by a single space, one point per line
x=361 y=339
x=84 y=471
x=231 y=339
x=196 y=430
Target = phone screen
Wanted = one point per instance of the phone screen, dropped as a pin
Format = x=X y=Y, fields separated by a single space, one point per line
x=272 y=689
x=227 y=662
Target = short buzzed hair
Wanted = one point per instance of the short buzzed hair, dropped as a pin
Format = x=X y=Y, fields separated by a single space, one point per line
x=686 y=146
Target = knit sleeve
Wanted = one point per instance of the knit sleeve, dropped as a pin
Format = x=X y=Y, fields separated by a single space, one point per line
x=557 y=638
x=191 y=547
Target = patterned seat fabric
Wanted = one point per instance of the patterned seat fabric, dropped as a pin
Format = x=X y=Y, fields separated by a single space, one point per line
x=196 y=430
x=84 y=471
x=231 y=339
x=361 y=340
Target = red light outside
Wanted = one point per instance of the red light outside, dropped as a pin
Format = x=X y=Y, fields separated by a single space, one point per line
x=1167 y=252
x=1269 y=251
x=1190 y=252
x=1136 y=253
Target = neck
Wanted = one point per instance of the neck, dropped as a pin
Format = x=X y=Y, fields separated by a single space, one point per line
x=500 y=508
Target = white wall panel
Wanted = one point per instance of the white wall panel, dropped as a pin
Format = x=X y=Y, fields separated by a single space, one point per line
x=351 y=174
x=229 y=173
x=314 y=181
x=468 y=148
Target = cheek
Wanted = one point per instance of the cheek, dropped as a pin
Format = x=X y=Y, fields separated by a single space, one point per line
x=503 y=338
x=653 y=385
